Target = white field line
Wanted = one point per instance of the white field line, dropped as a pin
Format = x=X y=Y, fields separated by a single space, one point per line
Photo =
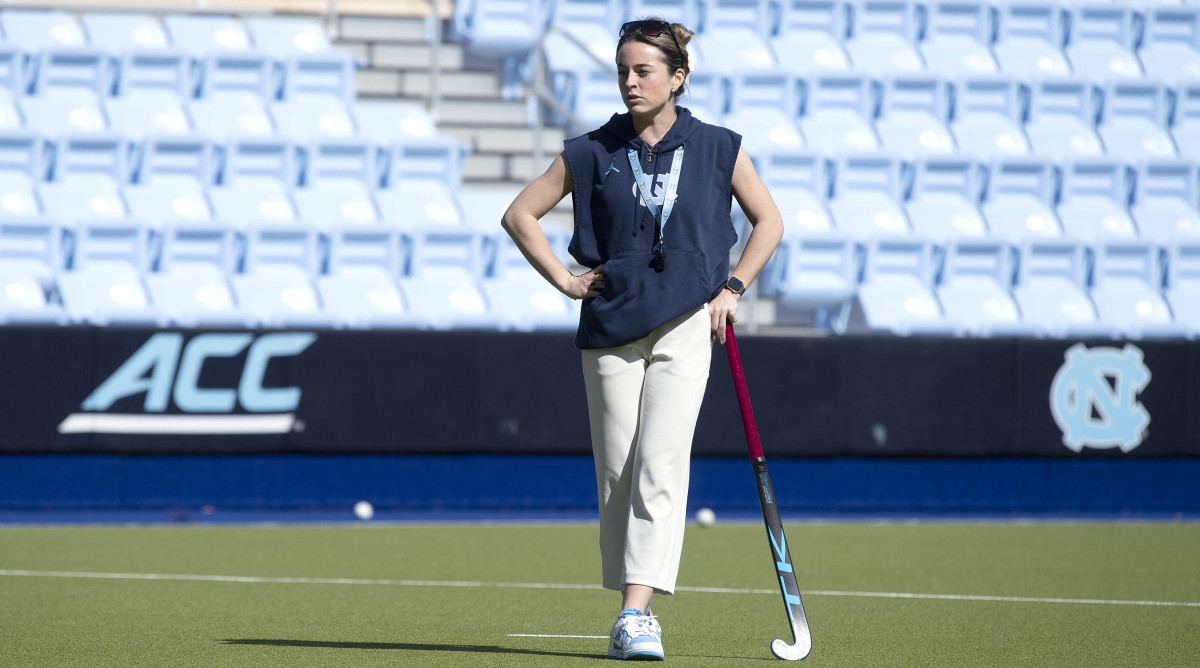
x=550 y=635
x=192 y=577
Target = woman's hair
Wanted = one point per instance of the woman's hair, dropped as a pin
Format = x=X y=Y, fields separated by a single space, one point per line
x=675 y=57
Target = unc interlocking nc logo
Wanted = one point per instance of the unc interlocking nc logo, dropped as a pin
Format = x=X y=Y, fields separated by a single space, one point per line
x=1089 y=410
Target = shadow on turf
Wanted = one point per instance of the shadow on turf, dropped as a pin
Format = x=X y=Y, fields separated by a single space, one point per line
x=402 y=646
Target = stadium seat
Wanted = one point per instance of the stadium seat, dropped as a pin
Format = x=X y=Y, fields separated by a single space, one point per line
x=1127 y=289
x=24 y=152
x=912 y=116
x=707 y=97
x=958 y=38
x=249 y=201
x=443 y=284
x=91 y=156
x=867 y=196
x=168 y=201
x=506 y=30
x=1020 y=197
x=1165 y=197
x=944 y=202
x=147 y=114
x=17 y=197
x=818 y=278
x=1183 y=284
x=286 y=36
x=896 y=294
x=77 y=199
x=32 y=247
x=13 y=65
x=104 y=284
x=35 y=29
x=159 y=71
x=763 y=108
x=313 y=118
x=353 y=160
x=1062 y=119
x=360 y=289
x=232 y=117
x=484 y=207
x=416 y=203
x=189 y=158
x=988 y=116
x=521 y=298
x=1170 y=49
x=837 y=113
x=265 y=158
x=238 y=72
x=1030 y=35
x=1051 y=290
x=1186 y=127
x=800 y=184
x=594 y=97
x=687 y=12
x=204 y=33
x=1102 y=40
x=1134 y=118
x=330 y=202
x=63 y=111
x=590 y=28
x=387 y=122
x=733 y=36
x=23 y=301
x=191 y=285
x=810 y=36
x=1094 y=200
x=883 y=37
x=117 y=32
x=976 y=288
x=71 y=68
x=437 y=158
x=276 y=285
x=319 y=74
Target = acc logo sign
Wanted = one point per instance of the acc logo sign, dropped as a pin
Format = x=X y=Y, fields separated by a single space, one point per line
x=1089 y=410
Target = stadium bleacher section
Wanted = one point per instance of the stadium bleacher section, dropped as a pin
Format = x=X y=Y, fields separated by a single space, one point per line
x=1017 y=167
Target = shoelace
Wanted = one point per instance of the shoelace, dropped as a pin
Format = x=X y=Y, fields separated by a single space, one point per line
x=639 y=625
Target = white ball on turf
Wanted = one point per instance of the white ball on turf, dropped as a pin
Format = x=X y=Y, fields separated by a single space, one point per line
x=363 y=510
x=705 y=517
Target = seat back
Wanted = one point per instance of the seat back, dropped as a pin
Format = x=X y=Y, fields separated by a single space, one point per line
x=1165 y=198
x=1102 y=41
x=1134 y=119
x=945 y=197
x=1094 y=200
x=1020 y=198
x=1062 y=118
x=958 y=38
x=868 y=194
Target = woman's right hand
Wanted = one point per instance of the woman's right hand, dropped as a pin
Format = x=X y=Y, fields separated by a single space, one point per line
x=587 y=284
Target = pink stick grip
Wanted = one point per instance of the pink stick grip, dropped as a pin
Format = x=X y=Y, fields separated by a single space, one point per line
x=743 y=395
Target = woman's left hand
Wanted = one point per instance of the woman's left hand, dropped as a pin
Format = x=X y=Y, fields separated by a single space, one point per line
x=722 y=309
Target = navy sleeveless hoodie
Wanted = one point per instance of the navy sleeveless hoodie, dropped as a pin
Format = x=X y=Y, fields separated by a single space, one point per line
x=614 y=228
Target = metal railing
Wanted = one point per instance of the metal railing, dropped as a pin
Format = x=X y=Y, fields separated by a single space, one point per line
x=546 y=96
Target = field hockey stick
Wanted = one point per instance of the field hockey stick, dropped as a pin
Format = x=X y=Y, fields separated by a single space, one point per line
x=802 y=640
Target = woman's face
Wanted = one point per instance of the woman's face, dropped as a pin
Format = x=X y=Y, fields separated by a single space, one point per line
x=645 y=83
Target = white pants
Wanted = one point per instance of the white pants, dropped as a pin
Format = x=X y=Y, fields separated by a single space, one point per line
x=643 y=401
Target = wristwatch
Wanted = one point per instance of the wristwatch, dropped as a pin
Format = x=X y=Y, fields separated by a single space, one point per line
x=735 y=285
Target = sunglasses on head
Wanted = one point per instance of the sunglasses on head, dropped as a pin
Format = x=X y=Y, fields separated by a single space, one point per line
x=651 y=28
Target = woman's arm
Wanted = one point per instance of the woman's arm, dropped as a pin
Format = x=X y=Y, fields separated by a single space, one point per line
x=521 y=223
x=767 y=230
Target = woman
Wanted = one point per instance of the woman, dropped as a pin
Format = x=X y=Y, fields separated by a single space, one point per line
x=656 y=232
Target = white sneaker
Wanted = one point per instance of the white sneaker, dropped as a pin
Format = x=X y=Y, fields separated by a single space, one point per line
x=635 y=637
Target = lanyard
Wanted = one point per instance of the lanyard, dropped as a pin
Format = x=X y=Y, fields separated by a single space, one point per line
x=643 y=184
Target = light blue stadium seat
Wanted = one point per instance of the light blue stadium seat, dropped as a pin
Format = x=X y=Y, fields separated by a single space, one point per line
x=591 y=28
x=1134 y=120
x=1170 y=49
x=988 y=118
x=763 y=108
x=232 y=117
x=1127 y=289
x=342 y=159
x=1102 y=40
x=443 y=284
x=1183 y=284
x=24 y=152
x=313 y=118
x=868 y=196
x=687 y=12
x=1186 y=127
x=417 y=203
x=896 y=295
x=1020 y=198
x=360 y=289
x=521 y=298
x=958 y=38
x=120 y=31
x=23 y=301
x=810 y=36
x=437 y=158
x=32 y=247
x=104 y=285
x=191 y=285
x=1094 y=200
x=204 y=33
x=1030 y=36
x=277 y=281
x=283 y=36
x=976 y=288
x=387 y=121
x=595 y=97
x=144 y=70
x=883 y=37
x=105 y=157
x=707 y=97
x=945 y=196
x=506 y=30
x=63 y=111
x=817 y=281
x=249 y=201
x=800 y=184
x=238 y=72
x=331 y=202
x=912 y=116
x=34 y=29
x=10 y=116
x=837 y=113
x=149 y=113
x=1165 y=197
x=1051 y=290
x=189 y=158
x=319 y=74
x=18 y=199
x=261 y=158
x=484 y=207
x=68 y=68
x=76 y=199
x=13 y=63
x=165 y=201
x=1062 y=119
x=733 y=37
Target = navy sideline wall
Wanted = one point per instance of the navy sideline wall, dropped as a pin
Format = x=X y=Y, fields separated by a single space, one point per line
x=114 y=390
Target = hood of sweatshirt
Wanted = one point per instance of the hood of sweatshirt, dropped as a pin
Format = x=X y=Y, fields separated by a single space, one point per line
x=620 y=127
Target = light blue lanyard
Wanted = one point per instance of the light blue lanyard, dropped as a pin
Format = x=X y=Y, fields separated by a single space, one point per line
x=643 y=184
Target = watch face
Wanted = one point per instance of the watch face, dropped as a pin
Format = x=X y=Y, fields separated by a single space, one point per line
x=736 y=285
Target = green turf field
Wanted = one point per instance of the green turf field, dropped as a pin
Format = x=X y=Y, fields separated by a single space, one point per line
x=377 y=595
